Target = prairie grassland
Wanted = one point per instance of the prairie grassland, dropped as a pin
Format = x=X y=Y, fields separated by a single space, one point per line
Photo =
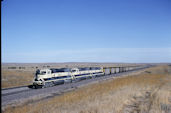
x=13 y=78
x=146 y=92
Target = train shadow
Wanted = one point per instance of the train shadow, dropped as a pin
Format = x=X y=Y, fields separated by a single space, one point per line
x=30 y=86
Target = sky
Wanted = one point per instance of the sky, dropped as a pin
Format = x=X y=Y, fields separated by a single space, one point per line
x=130 y=31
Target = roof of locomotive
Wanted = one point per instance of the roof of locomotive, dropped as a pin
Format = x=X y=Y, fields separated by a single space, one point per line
x=55 y=70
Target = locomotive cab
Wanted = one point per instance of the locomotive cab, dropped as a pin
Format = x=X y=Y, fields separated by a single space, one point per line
x=39 y=75
x=45 y=71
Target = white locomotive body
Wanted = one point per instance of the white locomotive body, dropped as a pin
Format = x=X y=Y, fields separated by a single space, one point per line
x=50 y=77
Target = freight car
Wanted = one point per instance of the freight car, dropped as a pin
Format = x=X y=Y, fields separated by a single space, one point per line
x=50 y=77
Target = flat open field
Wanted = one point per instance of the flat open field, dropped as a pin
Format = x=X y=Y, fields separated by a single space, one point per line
x=13 y=78
x=145 y=92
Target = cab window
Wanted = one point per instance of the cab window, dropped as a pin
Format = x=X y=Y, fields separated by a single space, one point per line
x=73 y=70
x=43 y=72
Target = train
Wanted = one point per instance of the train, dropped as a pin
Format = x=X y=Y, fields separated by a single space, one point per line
x=53 y=76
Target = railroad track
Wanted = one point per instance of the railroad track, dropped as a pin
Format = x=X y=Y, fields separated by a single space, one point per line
x=11 y=96
x=14 y=91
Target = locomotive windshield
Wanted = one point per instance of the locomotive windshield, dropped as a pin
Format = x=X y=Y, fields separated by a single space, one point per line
x=42 y=72
x=37 y=72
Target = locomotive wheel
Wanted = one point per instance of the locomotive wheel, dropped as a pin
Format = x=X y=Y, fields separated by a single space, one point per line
x=35 y=86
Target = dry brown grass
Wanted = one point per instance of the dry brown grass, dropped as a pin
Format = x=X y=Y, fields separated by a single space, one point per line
x=149 y=91
x=13 y=78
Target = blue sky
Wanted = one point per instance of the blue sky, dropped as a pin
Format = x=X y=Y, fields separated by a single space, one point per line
x=86 y=31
